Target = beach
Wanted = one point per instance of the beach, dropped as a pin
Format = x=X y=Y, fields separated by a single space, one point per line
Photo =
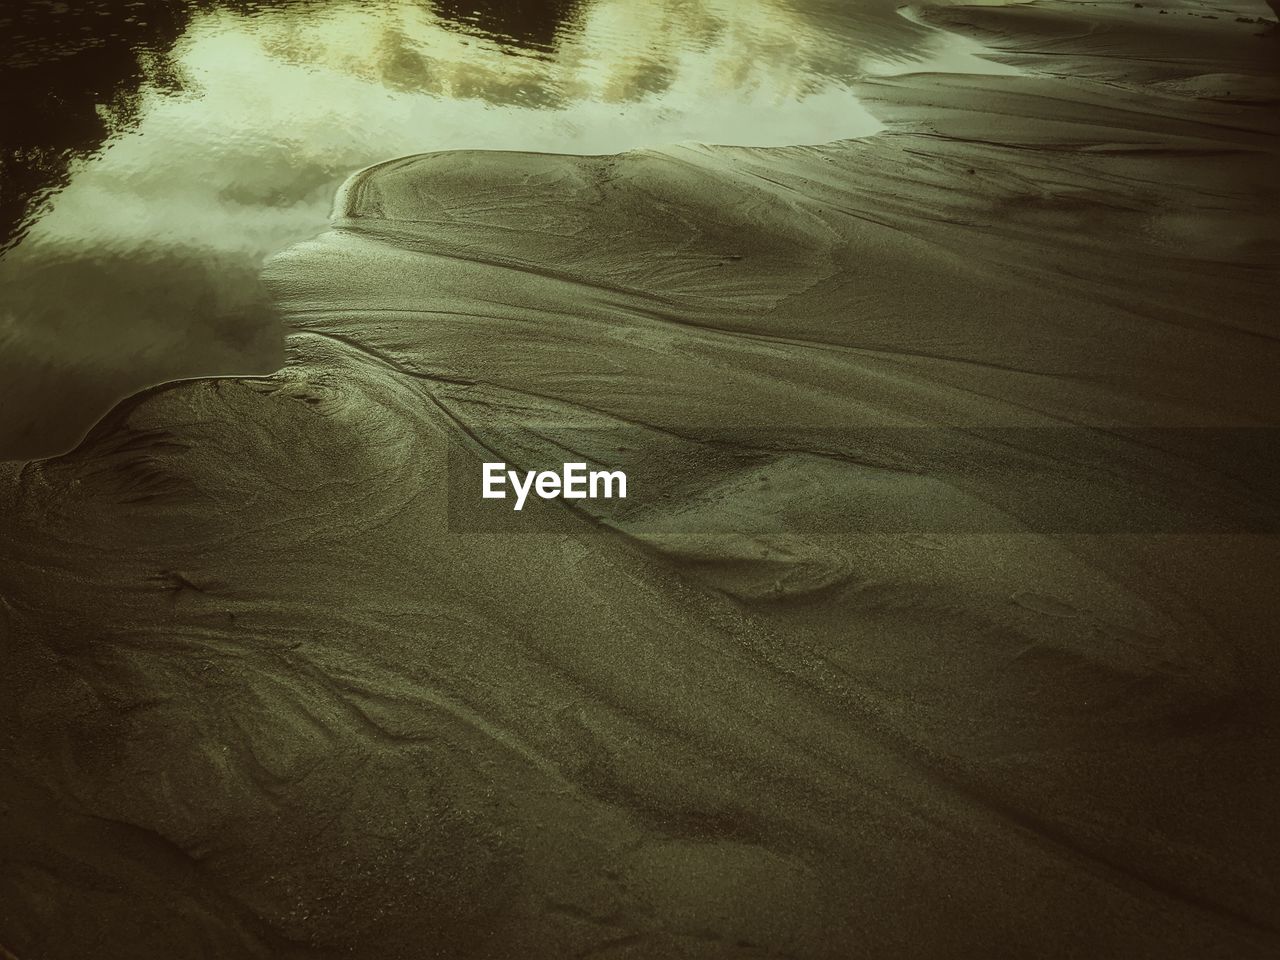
x=939 y=621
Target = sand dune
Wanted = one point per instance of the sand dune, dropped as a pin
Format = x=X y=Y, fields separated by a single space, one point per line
x=940 y=626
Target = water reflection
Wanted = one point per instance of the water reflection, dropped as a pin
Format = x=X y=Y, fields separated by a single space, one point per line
x=70 y=73
x=527 y=24
x=181 y=143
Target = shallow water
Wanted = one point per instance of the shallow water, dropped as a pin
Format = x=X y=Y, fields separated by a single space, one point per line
x=174 y=146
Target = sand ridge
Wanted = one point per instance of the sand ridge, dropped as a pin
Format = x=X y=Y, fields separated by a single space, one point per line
x=264 y=699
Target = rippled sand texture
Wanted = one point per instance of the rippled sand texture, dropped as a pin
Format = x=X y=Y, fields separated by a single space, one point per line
x=259 y=699
x=231 y=123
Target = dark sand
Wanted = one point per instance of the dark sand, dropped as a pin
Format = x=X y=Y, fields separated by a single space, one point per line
x=261 y=699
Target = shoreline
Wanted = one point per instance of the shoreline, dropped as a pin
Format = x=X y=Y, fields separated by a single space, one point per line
x=877 y=87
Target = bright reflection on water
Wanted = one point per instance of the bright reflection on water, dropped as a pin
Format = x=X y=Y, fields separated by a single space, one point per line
x=225 y=141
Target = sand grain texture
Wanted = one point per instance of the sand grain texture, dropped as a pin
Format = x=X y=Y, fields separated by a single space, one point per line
x=262 y=697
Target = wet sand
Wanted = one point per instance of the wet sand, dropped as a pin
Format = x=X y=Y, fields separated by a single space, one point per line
x=268 y=694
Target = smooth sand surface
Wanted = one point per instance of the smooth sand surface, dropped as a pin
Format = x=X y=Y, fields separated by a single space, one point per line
x=263 y=695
